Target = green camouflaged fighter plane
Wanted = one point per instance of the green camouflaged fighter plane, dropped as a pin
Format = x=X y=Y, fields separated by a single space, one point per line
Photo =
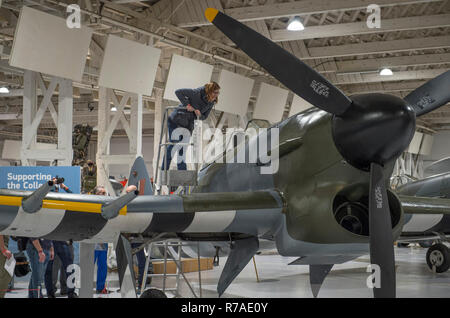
x=328 y=202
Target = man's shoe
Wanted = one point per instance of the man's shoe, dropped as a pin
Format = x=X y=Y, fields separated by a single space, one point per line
x=72 y=295
x=103 y=291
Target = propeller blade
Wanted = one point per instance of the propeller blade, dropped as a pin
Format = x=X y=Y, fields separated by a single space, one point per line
x=431 y=95
x=381 y=240
x=285 y=67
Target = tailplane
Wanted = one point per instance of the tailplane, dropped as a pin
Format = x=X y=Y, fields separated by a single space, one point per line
x=140 y=178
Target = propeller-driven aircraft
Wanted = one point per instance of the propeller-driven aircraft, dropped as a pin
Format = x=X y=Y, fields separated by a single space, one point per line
x=328 y=203
x=426 y=229
x=439 y=167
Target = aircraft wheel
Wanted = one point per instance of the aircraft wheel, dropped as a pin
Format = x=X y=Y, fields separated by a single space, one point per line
x=438 y=256
x=153 y=293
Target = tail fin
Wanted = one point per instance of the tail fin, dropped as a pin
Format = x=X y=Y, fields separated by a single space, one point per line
x=140 y=178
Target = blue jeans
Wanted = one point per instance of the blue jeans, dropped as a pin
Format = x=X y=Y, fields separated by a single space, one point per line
x=141 y=263
x=63 y=252
x=37 y=270
x=166 y=163
x=102 y=268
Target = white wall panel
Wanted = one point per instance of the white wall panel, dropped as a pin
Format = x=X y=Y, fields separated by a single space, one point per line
x=186 y=73
x=440 y=149
x=441 y=145
x=11 y=148
x=270 y=103
x=44 y=43
x=121 y=145
x=414 y=146
x=235 y=91
x=129 y=66
x=427 y=144
x=298 y=105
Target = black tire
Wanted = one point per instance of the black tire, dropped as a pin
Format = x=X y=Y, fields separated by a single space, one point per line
x=153 y=293
x=438 y=255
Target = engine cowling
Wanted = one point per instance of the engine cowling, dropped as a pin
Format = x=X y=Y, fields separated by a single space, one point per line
x=351 y=209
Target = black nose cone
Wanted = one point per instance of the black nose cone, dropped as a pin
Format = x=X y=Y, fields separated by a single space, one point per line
x=376 y=128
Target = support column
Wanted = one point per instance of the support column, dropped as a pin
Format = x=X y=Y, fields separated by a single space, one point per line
x=87 y=267
x=104 y=116
x=159 y=112
x=29 y=112
x=33 y=114
x=106 y=127
x=135 y=136
x=65 y=122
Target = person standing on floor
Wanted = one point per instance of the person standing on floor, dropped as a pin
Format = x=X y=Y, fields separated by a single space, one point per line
x=58 y=267
x=100 y=256
x=6 y=254
x=40 y=252
x=63 y=252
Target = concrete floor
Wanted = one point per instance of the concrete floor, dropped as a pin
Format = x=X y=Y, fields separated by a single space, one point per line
x=278 y=280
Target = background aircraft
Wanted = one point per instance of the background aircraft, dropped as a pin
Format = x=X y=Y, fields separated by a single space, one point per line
x=439 y=167
x=420 y=228
x=328 y=202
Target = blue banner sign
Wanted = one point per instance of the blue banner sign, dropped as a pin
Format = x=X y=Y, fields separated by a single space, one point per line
x=31 y=178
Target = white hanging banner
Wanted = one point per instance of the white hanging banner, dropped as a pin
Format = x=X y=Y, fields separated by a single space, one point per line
x=298 y=105
x=45 y=43
x=270 y=103
x=129 y=66
x=235 y=92
x=186 y=73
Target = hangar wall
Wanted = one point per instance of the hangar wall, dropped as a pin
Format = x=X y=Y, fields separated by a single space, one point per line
x=3 y=162
x=119 y=145
x=440 y=149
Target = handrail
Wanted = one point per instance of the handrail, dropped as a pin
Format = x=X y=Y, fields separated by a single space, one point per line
x=165 y=144
x=163 y=126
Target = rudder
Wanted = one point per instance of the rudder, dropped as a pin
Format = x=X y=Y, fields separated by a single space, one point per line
x=140 y=178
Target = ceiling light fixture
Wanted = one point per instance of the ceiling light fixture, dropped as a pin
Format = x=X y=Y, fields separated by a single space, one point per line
x=296 y=25
x=4 y=90
x=386 y=72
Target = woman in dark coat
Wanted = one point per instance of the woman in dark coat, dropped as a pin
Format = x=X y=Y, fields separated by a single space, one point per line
x=195 y=103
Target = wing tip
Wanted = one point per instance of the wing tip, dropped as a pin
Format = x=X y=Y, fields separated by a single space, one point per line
x=211 y=14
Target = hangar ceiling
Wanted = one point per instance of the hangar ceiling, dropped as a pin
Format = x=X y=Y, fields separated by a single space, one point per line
x=414 y=41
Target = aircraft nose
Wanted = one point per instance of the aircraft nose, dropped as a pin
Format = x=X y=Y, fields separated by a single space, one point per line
x=376 y=128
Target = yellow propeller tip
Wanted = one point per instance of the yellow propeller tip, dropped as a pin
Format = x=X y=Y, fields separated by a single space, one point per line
x=211 y=13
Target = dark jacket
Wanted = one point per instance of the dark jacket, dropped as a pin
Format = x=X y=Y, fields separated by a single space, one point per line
x=198 y=99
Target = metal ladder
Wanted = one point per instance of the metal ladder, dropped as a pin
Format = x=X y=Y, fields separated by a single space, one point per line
x=179 y=178
x=177 y=260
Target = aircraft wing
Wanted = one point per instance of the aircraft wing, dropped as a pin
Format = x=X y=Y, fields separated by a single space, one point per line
x=424 y=205
x=207 y=202
x=195 y=202
x=419 y=238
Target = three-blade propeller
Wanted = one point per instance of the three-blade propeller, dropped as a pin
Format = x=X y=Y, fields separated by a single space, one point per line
x=314 y=88
x=380 y=229
x=285 y=67
x=431 y=95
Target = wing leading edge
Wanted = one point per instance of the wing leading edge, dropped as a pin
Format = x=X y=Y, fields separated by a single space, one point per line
x=424 y=205
x=195 y=202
